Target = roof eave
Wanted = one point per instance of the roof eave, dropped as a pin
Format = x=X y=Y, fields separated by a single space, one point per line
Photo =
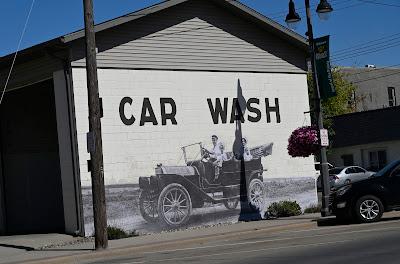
x=33 y=51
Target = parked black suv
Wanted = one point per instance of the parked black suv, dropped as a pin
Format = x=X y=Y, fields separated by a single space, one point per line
x=366 y=200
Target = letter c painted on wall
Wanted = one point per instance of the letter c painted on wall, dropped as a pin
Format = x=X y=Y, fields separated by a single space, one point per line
x=124 y=119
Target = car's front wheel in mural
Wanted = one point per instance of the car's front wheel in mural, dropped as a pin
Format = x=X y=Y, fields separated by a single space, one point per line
x=148 y=206
x=231 y=204
x=174 y=205
x=256 y=194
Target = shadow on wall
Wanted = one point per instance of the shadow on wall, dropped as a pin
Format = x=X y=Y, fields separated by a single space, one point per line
x=123 y=205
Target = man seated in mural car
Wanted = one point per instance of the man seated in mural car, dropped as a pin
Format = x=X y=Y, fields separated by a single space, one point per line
x=220 y=158
x=213 y=152
x=215 y=156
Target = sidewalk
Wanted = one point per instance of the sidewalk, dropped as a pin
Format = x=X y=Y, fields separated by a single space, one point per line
x=56 y=248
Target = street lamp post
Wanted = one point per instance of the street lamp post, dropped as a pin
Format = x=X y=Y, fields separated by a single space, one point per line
x=323 y=9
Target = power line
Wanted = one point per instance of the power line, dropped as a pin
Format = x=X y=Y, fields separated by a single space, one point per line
x=373 y=70
x=366 y=44
x=379 y=44
x=377 y=77
x=281 y=13
x=358 y=54
x=367 y=50
x=378 y=3
x=16 y=52
x=335 y=9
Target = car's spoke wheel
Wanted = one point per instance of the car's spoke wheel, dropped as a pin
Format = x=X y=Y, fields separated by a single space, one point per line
x=256 y=194
x=231 y=204
x=148 y=206
x=369 y=209
x=174 y=205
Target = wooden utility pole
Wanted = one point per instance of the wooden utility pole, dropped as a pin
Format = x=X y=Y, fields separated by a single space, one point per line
x=94 y=136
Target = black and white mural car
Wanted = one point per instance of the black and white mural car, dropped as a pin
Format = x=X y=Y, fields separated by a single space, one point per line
x=173 y=192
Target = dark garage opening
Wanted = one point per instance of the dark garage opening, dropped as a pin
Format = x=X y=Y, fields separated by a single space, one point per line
x=30 y=162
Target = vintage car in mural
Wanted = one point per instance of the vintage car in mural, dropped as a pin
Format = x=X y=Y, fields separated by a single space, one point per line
x=170 y=196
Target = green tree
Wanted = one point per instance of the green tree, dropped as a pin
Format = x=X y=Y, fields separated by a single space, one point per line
x=343 y=103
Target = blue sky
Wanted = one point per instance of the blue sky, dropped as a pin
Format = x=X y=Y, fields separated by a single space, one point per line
x=355 y=22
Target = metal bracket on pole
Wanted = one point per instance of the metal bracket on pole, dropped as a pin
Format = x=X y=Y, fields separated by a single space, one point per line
x=89 y=165
x=101 y=107
x=90 y=142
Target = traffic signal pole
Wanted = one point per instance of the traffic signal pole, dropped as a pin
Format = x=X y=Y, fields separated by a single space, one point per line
x=94 y=136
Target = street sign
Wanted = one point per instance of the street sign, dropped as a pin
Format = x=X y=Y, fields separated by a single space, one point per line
x=324 y=137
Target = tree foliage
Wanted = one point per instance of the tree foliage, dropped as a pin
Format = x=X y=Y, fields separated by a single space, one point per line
x=343 y=103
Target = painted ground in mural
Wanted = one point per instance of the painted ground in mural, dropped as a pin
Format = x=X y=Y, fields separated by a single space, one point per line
x=123 y=205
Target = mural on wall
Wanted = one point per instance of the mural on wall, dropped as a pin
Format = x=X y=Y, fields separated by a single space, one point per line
x=203 y=169
x=123 y=205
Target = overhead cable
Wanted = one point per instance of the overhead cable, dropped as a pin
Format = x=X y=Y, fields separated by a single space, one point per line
x=16 y=52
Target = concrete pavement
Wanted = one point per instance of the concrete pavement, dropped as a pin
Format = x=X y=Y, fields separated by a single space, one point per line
x=251 y=242
x=15 y=249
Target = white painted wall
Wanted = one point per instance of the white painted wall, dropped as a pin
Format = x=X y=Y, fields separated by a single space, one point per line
x=133 y=151
x=360 y=153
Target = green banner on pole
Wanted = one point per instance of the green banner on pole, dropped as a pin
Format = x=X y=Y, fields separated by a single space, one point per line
x=323 y=65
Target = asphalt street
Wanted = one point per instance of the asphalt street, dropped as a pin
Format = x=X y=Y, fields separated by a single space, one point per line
x=366 y=243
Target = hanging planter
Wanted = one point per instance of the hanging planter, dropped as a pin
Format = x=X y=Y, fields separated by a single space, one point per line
x=303 y=142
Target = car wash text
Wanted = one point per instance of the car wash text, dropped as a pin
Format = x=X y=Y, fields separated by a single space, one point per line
x=222 y=110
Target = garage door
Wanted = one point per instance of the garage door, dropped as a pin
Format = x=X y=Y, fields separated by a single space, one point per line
x=31 y=166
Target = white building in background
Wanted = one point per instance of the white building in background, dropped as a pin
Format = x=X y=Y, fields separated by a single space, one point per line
x=377 y=87
x=168 y=77
x=369 y=137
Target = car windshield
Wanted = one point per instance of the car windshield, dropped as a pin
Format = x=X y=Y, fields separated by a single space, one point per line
x=192 y=152
x=387 y=168
x=335 y=170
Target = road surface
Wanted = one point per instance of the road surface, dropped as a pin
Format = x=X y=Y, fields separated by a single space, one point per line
x=367 y=243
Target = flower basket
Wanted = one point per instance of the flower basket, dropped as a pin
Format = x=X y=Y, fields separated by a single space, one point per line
x=303 y=142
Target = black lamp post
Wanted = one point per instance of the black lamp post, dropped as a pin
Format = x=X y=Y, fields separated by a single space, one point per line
x=323 y=9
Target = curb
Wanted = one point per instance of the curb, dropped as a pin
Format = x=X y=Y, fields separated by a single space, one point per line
x=123 y=250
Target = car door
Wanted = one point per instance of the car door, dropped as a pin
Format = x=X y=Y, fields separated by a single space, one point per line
x=359 y=174
x=348 y=176
x=394 y=187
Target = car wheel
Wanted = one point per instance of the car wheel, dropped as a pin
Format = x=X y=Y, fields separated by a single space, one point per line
x=148 y=206
x=368 y=209
x=231 y=204
x=348 y=181
x=174 y=205
x=256 y=194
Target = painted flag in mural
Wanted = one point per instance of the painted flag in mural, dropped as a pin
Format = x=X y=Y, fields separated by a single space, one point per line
x=240 y=108
x=323 y=65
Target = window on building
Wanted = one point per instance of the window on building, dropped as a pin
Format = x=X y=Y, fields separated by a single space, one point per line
x=392 y=96
x=377 y=160
x=348 y=160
